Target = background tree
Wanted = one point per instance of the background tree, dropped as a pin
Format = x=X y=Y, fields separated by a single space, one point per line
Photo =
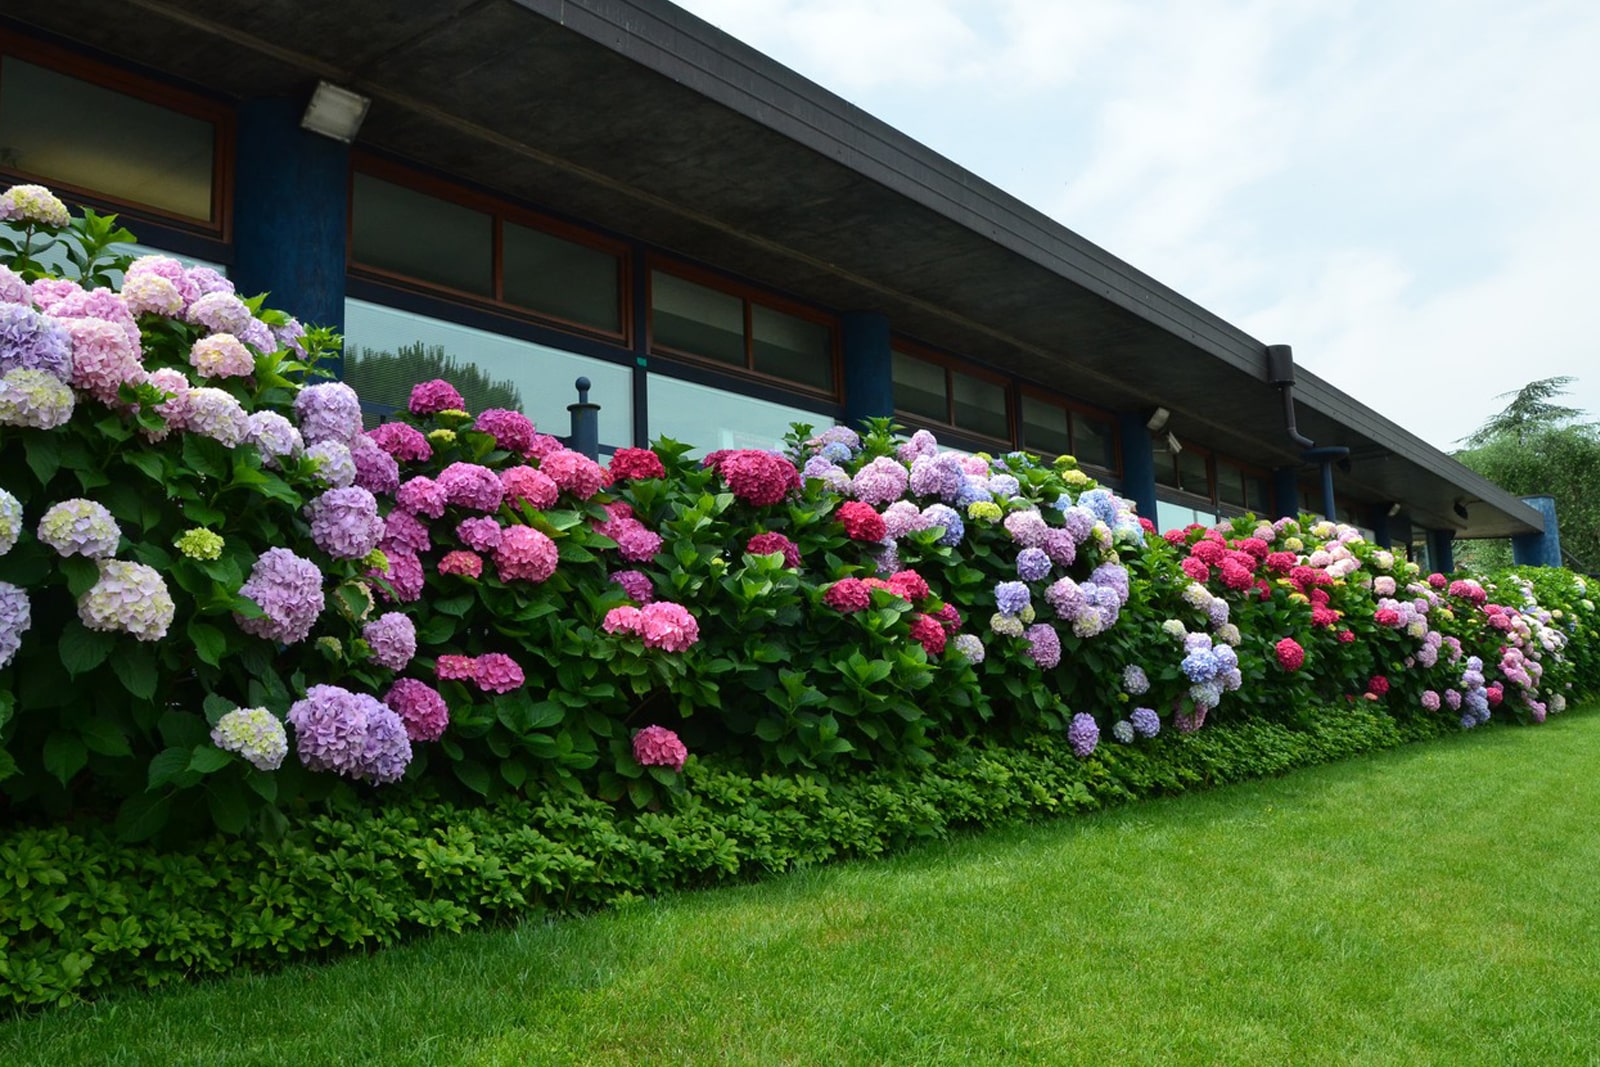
x=1536 y=446
x=387 y=377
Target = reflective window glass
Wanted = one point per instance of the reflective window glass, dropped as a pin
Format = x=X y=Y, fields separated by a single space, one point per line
x=73 y=132
x=1095 y=441
x=561 y=278
x=787 y=346
x=696 y=319
x=402 y=231
x=919 y=388
x=1193 y=476
x=980 y=405
x=710 y=418
x=1045 y=427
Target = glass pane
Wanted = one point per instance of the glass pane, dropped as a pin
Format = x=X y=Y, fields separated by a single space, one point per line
x=1256 y=495
x=70 y=131
x=1166 y=466
x=787 y=346
x=387 y=351
x=1192 y=474
x=401 y=230
x=1095 y=442
x=710 y=418
x=1171 y=516
x=1045 y=427
x=562 y=278
x=1230 y=484
x=919 y=388
x=693 y=318
x=980 y=406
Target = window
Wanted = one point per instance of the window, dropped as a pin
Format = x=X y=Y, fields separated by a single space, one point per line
x=408 y=229
x=387 y=351
x=710 y=418
x=737 y=328
x=110 y=136
x=935 y=390
x=1052 y=427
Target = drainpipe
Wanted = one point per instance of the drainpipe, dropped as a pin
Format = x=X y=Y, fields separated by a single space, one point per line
x=1280 y=373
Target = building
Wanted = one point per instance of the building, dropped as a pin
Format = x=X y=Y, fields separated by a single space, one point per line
x=615 y=189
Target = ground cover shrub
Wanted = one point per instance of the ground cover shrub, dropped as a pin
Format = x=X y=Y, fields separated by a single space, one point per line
x=82 y=912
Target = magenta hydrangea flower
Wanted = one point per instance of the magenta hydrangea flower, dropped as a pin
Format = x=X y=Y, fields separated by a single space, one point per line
x=420 y=707
x=525 y=554
x=656 y=746
x=471 y=486
x=80 y=527
x=392 y=638
x=432 y=397
x=462 y=563
x=376 y=470
x=404 y=443
x=34 y=398
x=637 y=544
x=757 y=478
x=345 y=522
x=535 y=487
x=454 y=668
x=668 y=626
x=636 y=585
x=574 y=472
x=351 y=734
x=763 y=544
x=479 y=533
x=422 y=496
x=848 y=595
x=511 y=430
x=406 y=531
x=128 y=598
x=496 y=672
x=32 y=341
x=288 y=590
x=404 y=575
x=328 y=412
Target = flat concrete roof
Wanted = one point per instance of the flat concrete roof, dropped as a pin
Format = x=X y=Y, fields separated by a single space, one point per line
x=639 y=117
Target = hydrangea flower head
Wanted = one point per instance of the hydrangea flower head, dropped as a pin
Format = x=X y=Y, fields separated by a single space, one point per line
x=970 y=646
x=80 y=527
x=763 y=544
x=432 y=397
x=656 y=746
x=535 y=487
x=757 y=478
x=421 y=496
x=668 y=626
x=1146 y=723
x=34 y=398
x=33 y=205
x=34 y=341
x=199 y=543
x=376 y=470
x=947 y=517
x=15 y=618
x=420 y=707
x=217 y=414
x=351 y=734
x=405 y=443
x=496 y=672
x=525 y=554
x=345 y=522
x=254 y=733
x=221 y=355
x=129 y=598
x=1044 y=645
x=511 y=430
x=574 y=472
x=471 y=486
x=630 y=464
x=879 y=481
x=392 y=638
x=1083 y=734
x=288 y=590
x=861 y=522
x=330 y=411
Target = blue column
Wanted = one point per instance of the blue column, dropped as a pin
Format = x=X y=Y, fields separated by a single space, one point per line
x=1539 y=549
x=1286 y=492
x=1379 y=517
x=1441 y=554
x=1138 y=462
x=868 y=366
x=291 y=208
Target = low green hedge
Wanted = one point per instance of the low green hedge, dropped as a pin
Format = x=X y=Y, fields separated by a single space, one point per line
x=81 y=913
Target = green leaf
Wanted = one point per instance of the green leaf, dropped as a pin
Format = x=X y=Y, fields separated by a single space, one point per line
x=456 y=605
x=473 y=775
x=149 y=462
x=81 y=574
x=167 y=765
x=215 y=706
x=545 y=714
x=136 y=669
x=513 y=772
x=83 y=649
x=208 y=759
x=205 y=456
x=228 y=808
x=104 y=736
x=44 y=455
x=142 y=816
x=209 y=642
x=64 y=755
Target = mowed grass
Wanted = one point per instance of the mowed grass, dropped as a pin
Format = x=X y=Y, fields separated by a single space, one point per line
x=1431 y=905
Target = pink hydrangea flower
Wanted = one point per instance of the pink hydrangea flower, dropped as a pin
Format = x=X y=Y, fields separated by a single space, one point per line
x=848 y=595
x=668 y=626
x=430 y=398
x=471 y=486
x=422 y=496
x=534 y=486
x=574 y=472
x=468 y=564
x=497 y=672
x=404 y=443
x=624 y=620
x=420 y=707
x=525 y=554
x=455 y=668
x=656 y=746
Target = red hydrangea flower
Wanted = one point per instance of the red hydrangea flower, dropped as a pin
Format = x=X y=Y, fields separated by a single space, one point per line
x=848 y=595
x=1281 y=562
x=1235 y=576
x=1386 y=617
x=927 y=631
x=1495 y=693
x=1263 y=589
x=861 y=522
x=1290 y=655
x=1196 y=568
x=1378 y=685
x=1321 y=616
x=1146 y=525
x=1208 y=552
x=1320 y=596
x=1256 y=547
x=909 y=585
x=756 y=477
x=1175 y=537
x=763 y=544
x=1346 y=636
x=636 y=463
x=1437 y=580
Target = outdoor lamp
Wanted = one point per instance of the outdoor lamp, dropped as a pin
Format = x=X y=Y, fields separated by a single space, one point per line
x=335 y=112
x=1158 y=420
x=1460 y=509
x=1394 y=509
x=1172 y=443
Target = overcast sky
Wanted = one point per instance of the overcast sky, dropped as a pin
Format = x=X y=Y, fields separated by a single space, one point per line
x=1406 y=192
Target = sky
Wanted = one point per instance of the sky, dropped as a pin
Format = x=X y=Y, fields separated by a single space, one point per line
x=1407 y=192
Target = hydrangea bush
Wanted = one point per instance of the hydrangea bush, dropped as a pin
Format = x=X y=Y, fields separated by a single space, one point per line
x=221 y=594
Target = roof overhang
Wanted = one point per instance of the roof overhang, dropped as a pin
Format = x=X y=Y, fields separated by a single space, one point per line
x=639 y=117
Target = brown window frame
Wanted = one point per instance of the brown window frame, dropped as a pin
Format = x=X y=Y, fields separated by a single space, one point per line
x=748 y=295
x=500 y=212
x=1075 y=410
x=949 y=363
x=219 y=115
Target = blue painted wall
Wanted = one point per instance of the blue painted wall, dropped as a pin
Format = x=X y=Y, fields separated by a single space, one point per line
x=1138 y=462
x=291 y=212
x=868 y=366
x=1285 y=493
x=1441 y=550
x=1539 y=549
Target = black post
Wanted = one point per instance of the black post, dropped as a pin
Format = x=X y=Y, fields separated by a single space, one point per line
x=585 y=436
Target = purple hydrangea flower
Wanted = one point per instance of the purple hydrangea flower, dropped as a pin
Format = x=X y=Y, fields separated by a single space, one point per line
x=1145 y=721
x=345 y=522
x=1134 y=680
x=1033 y=564
x=1083 y=734
x=947 y=517
x=274 y=437
x=1012 y=597
x=328 y=412
x=32 y=341
x=288 y=590
x=220 y=313
x=335 y=466
x=1044 y=645
x=393 y=640
x=376 y=470
x=636 y=584
x=351 y=734
x=15 y=618
x=216 y=414
x=1114 y=576
x=879 y=481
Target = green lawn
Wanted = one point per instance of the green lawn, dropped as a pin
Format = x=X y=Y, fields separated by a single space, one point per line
x=1430 y=905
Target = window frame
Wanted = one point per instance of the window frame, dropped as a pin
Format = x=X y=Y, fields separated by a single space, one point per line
x=748 y=295
x=500 y=211
x=218 y=114
x=1075 y=410
x=954 y=364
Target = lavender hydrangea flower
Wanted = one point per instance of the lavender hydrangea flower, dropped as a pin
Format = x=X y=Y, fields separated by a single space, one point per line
x=254 y=733
x=1083 y=734
x=939 y=476
x=1012 y=597
x=1113 y=576
x=901 y=517
x=947 y=517
x=1101 y=503
x=216 y=414
x=128 y=598
x=1079 y=522
x=34 y=398
x=345 y=522
x=1044 y=645
x=15 y=618
x=328 y=412
x=33 y=341
x=1004 y=486
x=1033 y=564
x=220 y=313
x=972 y=491
x=1145 y=722
x=1027 y=527
x=971 y=647
x=274 y=436
x=336 y=469
x=288 y=590
x=393 y=640
x=1134 y=680
x=351 y=734
x=1122 y=730
x=879 y=481
x=80 y=527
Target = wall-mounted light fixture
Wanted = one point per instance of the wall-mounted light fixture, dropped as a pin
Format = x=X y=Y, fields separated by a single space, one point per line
x=1158 y=420
x=1394 y=509
x=1173 y=444
x=1460 y=509
x=335 y=112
